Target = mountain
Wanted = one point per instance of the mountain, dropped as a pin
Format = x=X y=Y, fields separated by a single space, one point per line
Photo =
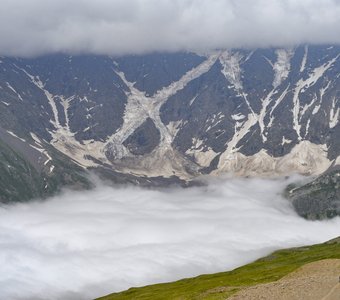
x=169 y=117
x=319 y=198
x=26 y=171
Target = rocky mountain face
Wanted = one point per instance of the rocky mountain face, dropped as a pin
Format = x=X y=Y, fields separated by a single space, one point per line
x=147 y=118
x=319 y=198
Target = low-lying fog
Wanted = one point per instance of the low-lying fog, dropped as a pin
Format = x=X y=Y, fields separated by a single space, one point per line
x=80 y=245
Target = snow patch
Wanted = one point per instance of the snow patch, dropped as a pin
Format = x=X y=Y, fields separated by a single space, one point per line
x=192 y=100
x=323 y=90
x=201 y=155
x=163 y=161
x=263 y=113
x=304 y=60
x=302 y=85
x=282 y=66
x=334 y=114
x=49 y=158
x=140 y=107
x=40 y=148
x=66 y=104
x=337 y=161
x=38 y=83
x=238 y=117
x=13 y=134
x=307 y=127
x=36 y=139
x=174 y=127
x=316 y=109
x=279 y=100
x=240 y=133
x=307 y=106
x=14 y=91
x=285 y=141
x=197 y=143
x=231 y=68
x=232 y=72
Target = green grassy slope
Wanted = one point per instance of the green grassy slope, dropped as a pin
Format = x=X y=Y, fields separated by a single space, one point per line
x=223 y=285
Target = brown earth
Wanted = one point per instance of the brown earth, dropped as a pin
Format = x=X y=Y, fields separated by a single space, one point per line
x=314 y=281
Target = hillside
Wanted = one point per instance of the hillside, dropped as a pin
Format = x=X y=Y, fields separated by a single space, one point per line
x=223 y=285
x=319 y=198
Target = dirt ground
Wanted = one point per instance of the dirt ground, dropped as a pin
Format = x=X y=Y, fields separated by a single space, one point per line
x=314 y=281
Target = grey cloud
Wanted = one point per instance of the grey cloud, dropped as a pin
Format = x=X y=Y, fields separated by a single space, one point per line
x=117 y=27
x=81 y=245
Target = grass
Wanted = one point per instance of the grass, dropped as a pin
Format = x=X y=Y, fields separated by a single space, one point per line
x=222 y=285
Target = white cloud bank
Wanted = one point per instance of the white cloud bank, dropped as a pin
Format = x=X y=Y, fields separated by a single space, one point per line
x=82 y=245
x=34 y=27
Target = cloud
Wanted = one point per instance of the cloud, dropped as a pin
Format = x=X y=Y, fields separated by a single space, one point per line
x=80 y=245
x=118 y=27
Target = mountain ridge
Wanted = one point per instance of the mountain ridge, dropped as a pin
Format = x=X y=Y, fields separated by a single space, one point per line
x=261 y=112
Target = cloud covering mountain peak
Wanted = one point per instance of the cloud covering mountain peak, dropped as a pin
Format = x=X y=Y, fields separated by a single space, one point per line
x=117 y=27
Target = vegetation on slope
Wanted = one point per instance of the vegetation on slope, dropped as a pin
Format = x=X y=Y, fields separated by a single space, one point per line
x=20 y=181
x=318 y=199
x=223 y=285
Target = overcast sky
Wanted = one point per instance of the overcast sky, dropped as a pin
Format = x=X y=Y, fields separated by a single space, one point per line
x=34 y=27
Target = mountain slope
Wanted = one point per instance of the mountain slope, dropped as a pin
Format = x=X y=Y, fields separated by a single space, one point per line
x=319 y=198
x=223 y=285
x=28 y=171
x=173 y=117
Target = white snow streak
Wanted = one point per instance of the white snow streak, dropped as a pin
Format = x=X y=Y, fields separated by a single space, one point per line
x=40 y=148
x=301 y=86
x=240 y=133
x=14 y=91
x=66 y=104
x=281 y=69
x=304 y=60
x=307 y=127
x=232 y=72
x=282 y=66
x=279 y=100
x=192 y=100
x=140 y=107
x=13 y=134
x=238 y=117
x=334 y=114
x=38 y=83
x=231 y=68
x=285 y=141
x=263 y=113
